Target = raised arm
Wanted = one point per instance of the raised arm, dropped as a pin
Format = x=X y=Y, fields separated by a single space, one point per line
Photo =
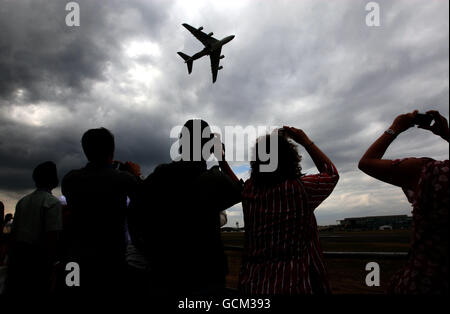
x=225 y=167
x=322 y=162
x=407 y=173
x=223 y=164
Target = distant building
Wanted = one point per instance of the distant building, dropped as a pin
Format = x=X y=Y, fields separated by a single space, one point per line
x=232 y=229
x=376 y=223
x=328 y=228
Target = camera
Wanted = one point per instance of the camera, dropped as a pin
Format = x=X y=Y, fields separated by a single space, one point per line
x=423 y=119
x=282 y=132
x=118 y=165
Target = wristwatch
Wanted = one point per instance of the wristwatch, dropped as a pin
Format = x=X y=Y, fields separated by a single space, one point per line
x=391 y=132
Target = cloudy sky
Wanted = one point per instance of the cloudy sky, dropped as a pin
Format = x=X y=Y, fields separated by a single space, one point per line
x=315 y=65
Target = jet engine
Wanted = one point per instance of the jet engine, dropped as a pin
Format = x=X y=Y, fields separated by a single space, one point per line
x=222 y=56
x=220 y=68
x=210 y=34
x=200 y=28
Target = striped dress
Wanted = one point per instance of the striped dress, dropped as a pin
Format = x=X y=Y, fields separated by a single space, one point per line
x=282 y=251
x=426 y=271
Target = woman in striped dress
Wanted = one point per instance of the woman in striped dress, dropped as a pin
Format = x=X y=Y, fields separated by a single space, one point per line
x=282 y=251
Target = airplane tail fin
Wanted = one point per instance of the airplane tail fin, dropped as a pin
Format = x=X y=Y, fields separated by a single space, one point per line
x=187 y=59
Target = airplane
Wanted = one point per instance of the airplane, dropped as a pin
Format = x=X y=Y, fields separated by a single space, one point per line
x=213 y=48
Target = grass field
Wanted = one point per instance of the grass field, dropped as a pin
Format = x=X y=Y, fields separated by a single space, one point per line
x=347 y=275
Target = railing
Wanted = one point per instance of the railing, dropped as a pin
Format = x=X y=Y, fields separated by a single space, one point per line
x=329 y=254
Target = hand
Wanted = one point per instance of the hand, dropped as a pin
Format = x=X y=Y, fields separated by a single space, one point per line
x=220 y=154
x=297 y=135
x=439 y=127
x=133 y=168
x=403 y=122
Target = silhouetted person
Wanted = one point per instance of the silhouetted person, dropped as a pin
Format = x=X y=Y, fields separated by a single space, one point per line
x=180 y=207
x=425 y=184
x=3 y=245
x=2 y=216
x=37 y=222
x=97 y=204
x=3 y=248
x=7 y=224
x=282 y=252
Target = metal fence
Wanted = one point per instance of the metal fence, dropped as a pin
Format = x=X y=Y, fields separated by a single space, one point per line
x=330 y=254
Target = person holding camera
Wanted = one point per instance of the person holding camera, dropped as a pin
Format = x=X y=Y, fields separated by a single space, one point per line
x=182 y=200
x=425 y=183
x=97 y=203
x=282 y=250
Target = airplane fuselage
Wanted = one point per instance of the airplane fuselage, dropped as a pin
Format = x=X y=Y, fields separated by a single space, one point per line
x=210 y=49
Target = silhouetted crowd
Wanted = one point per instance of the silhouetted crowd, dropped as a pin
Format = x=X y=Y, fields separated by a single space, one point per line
x=160 y=235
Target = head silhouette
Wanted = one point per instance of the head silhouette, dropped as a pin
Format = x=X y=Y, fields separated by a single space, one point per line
x=8 y=217
x=45 y=176
x=198 y=133
x=98 y=145
x=288 y=166
x=2 y=212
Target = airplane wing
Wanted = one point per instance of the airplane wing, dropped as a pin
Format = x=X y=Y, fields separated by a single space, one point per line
x=215 y=60
x=204 y=38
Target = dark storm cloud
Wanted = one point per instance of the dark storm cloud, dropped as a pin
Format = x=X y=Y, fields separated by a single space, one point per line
x=46 y=59
x=24 y=147
x=42 y=60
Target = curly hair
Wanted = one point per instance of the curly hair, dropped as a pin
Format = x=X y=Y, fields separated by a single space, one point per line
x=288 y=166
